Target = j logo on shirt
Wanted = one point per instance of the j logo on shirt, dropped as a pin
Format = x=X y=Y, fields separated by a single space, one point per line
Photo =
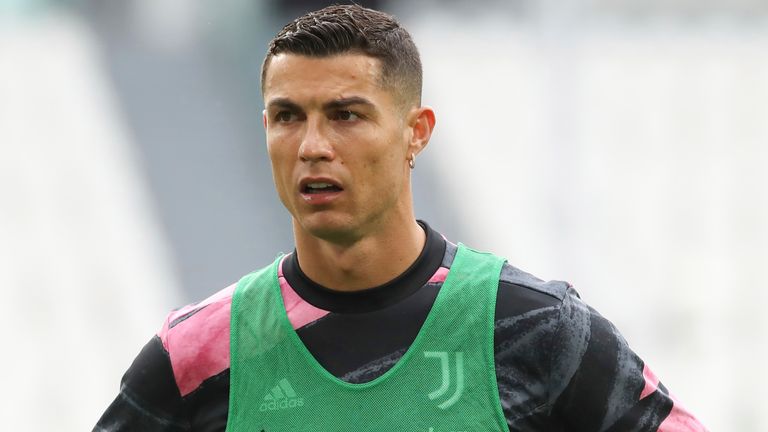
x=445 y=369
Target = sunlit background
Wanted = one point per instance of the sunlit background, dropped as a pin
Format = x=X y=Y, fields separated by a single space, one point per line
x=619 y=145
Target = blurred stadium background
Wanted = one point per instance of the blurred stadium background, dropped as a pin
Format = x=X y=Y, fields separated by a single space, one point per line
x=619 y=145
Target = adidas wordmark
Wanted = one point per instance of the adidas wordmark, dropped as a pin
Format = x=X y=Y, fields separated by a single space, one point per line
x=282 y=396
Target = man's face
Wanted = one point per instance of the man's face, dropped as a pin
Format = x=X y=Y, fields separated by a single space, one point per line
x=338 y=142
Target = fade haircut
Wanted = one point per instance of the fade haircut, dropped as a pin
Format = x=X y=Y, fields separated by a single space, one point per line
x=353 y=29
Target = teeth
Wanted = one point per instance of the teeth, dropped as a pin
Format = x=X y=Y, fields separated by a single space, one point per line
x=319 y=185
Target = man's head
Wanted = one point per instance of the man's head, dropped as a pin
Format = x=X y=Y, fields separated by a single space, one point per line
x=344 y=29
x=343 y=119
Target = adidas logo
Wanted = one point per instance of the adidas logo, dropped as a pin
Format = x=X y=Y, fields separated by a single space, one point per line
x=282 y=396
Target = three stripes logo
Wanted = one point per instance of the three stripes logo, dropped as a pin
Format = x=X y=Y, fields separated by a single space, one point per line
x=445 y=369
x=282 y=396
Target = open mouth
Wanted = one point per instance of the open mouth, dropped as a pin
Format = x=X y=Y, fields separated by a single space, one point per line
x=320 y=187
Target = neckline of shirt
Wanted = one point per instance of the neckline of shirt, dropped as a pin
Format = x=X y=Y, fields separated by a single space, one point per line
x=375 y=298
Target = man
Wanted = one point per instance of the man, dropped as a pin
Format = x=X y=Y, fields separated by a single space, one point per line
x=375 y=322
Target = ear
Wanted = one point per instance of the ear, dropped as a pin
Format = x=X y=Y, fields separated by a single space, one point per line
x=421 y=122
x=264 y=118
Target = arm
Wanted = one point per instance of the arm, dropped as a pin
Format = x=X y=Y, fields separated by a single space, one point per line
x=610 y=388
x=149 y=398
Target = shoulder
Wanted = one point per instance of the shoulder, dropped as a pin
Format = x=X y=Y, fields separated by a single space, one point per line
x=521 y=292
x=196 y=338
x=557 y=290
x=518 y=289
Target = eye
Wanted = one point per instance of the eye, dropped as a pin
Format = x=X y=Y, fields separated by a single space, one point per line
x=285 y=116
x=345 y=115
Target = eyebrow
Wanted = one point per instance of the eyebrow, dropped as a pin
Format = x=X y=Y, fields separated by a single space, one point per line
x=328 y=106
x=284 y=103
x=345 y=102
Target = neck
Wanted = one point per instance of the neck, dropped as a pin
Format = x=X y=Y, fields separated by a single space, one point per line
x=372 y=260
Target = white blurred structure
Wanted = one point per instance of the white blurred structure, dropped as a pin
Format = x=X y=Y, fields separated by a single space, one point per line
x=631 y=162
x=84 y=275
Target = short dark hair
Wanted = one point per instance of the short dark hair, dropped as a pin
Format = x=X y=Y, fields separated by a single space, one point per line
x=342 y=29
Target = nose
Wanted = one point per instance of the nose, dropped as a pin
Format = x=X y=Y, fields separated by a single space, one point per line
x=315 y=145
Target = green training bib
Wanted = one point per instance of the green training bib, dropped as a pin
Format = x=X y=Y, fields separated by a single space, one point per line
x=445 y=382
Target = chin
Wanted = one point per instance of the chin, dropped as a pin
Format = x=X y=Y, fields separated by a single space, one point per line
x=328 y=227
